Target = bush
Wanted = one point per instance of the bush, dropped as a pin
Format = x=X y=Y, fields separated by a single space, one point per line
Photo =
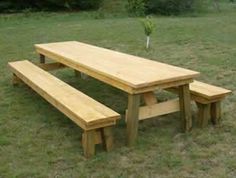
x=136 y=7
x=173 y=7
x=9 y=5
x=165 y=7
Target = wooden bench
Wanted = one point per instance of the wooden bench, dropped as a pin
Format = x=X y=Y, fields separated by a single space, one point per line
x=208 y=99
x=93 y=117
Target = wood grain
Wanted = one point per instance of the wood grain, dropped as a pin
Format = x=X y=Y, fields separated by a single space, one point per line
x=207 y=91
x=216 y=112
x=88 y=143
x=149 y=98
x=132 y=118
x=126 y=72
x=83 y=110
x=159 y=109
x=203 y=114
x=185 y=107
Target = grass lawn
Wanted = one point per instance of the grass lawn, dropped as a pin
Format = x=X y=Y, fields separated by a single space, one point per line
x=38 y=141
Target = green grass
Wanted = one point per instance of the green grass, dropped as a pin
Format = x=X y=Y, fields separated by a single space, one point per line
x=38 y=141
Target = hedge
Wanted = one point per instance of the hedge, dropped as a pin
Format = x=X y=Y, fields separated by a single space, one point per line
x=17 y=5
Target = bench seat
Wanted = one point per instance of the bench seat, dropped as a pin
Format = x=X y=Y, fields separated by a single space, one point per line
x=206 y=93
x=93 y=117
x=208 y=99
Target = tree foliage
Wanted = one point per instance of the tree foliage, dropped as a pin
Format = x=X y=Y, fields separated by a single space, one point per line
x=6 y=5
x=165 y=7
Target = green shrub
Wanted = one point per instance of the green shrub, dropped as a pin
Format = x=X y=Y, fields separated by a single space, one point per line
x=136 y=7
x=9 y=5
x=173 y=7
x=148 y=26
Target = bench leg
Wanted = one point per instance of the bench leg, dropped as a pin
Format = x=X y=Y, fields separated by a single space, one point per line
x=88 y=142
x=107 y=138
x=15 y=80
x=216 y=112
x=77 y=73
x=185 y=107
x=41 y=58
x=81 y=75
x=203 y=114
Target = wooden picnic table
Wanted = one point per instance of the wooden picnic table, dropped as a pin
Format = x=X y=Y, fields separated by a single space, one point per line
x=136 y=76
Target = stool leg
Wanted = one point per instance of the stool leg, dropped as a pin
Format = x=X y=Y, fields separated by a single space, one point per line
x=107 y=138
x=88 y=142
x=216 y=112
x=15 y=80
x=77 y=73
x=41 y=58
x=203 y=114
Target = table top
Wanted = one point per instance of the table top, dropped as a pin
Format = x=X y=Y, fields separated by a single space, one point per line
x=127 y=72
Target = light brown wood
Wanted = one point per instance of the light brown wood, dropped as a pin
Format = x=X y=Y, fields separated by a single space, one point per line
x=208 y=91
x=159 y=109
x=88 y=143
x=185 y=107
x=98 y=136
x=83 y=110
x=51 y=66
x=132 y=74
x=203 y=114
x=208 y=99
x=107 y=138
x=129 y=73
x=216 y=112
x=132 y=118
x=149 y=98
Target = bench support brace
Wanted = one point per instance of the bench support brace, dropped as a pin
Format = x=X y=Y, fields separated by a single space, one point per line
x=100 y=136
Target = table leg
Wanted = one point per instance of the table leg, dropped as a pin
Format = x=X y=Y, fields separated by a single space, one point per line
x=132 y=118
x=42 y=58
x=185 y=107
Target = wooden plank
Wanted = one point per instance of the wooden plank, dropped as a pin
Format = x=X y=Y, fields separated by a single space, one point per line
x=132 y=118
x=201 y=99
x=203 y=114
x=118 y=69
x=65 y=98
x=88 y=143
x=159 y=109
x=207 y=91
x=216 y=112
x=51 y=66
x=185 y=107
x=161 y=86
x=149 y=98
x=107 y=138
x=41 y=58
x=204 y=93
